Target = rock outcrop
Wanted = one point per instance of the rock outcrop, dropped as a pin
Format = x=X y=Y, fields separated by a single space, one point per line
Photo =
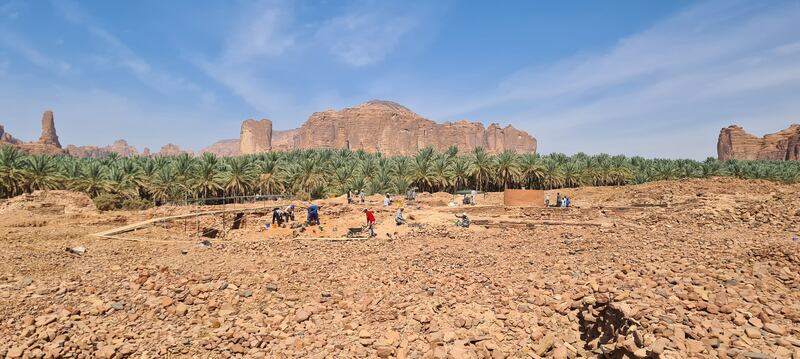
x=120 y=147
x=255 y=136
x=47 y=144
x=736 y=144
x=171 y=149
x=49 y=136
x=6 y=138
x=390 y=128
x=224 y=148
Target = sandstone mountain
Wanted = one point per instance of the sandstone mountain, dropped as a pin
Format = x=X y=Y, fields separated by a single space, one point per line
x=386 y=127
x=120 y=147
x=736 y=144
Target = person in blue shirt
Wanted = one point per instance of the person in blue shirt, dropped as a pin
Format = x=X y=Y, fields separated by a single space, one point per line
x=313 y=214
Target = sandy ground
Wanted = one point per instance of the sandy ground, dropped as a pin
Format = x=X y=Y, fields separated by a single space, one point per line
x=700 y=268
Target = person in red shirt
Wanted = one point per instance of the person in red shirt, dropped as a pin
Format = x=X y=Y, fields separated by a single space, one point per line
x=370 y=222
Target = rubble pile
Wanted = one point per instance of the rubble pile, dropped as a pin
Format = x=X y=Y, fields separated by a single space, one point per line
x=658 y=281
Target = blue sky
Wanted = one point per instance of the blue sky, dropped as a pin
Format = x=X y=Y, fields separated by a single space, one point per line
x=652 y=78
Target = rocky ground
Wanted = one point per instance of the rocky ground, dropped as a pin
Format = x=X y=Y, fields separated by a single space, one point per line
x=702 y=268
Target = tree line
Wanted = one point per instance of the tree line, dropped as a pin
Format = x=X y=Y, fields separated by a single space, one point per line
x=326 y=172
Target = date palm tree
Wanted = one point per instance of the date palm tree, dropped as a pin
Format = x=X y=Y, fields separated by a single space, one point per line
x=12 y=171
x=507 y=168
x=482 y=167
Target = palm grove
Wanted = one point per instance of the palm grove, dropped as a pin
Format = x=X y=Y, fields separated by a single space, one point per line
x=140 y=181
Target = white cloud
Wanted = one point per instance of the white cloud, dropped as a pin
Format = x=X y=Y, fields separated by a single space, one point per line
x=703 y=67
x=263 y=32
x=20 y=46
x=119 y=54
x=365 y=36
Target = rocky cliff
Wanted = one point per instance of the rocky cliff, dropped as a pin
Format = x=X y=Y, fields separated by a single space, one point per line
x=255 y=136
x=390 y=128
x=736 y=144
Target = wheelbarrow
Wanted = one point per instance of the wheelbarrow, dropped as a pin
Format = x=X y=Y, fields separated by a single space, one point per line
x=356 y=232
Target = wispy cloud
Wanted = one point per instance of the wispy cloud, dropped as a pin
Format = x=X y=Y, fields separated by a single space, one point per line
x=122 y=55
x=366 y=35
x=23 y=48
x=271 y=40
x=263 y=32
x=710 y=64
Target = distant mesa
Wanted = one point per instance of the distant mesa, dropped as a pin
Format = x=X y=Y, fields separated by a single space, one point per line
x=736 y=144
x=382 y=126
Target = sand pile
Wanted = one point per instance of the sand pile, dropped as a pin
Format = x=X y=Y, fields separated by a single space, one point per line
x=50 y=202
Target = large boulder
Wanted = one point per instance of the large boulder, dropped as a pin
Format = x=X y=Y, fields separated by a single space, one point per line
x=736 y=144
x=255 y=136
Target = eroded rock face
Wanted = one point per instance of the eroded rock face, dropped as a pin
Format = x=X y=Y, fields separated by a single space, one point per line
x=223 y=148
x=389 y=128
x=49 y=136
x=736 y=144
x=255 y=136
x=283 y=140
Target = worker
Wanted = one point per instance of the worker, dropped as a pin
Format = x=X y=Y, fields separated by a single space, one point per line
x=473 y=197
x=387 y=200
x=558 y=199
x=398 y=217
x=547 y=199
x=288 y=213
x=349 y=197
x=463 y=220
x=370 y=222
x=361 y=195
x=313 y=214
x=277 y=217
x=566 y=202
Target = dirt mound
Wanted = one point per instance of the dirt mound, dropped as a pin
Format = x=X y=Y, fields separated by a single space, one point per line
x=50 y=202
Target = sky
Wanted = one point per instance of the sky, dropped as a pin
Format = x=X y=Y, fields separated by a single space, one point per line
x=649 y=78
